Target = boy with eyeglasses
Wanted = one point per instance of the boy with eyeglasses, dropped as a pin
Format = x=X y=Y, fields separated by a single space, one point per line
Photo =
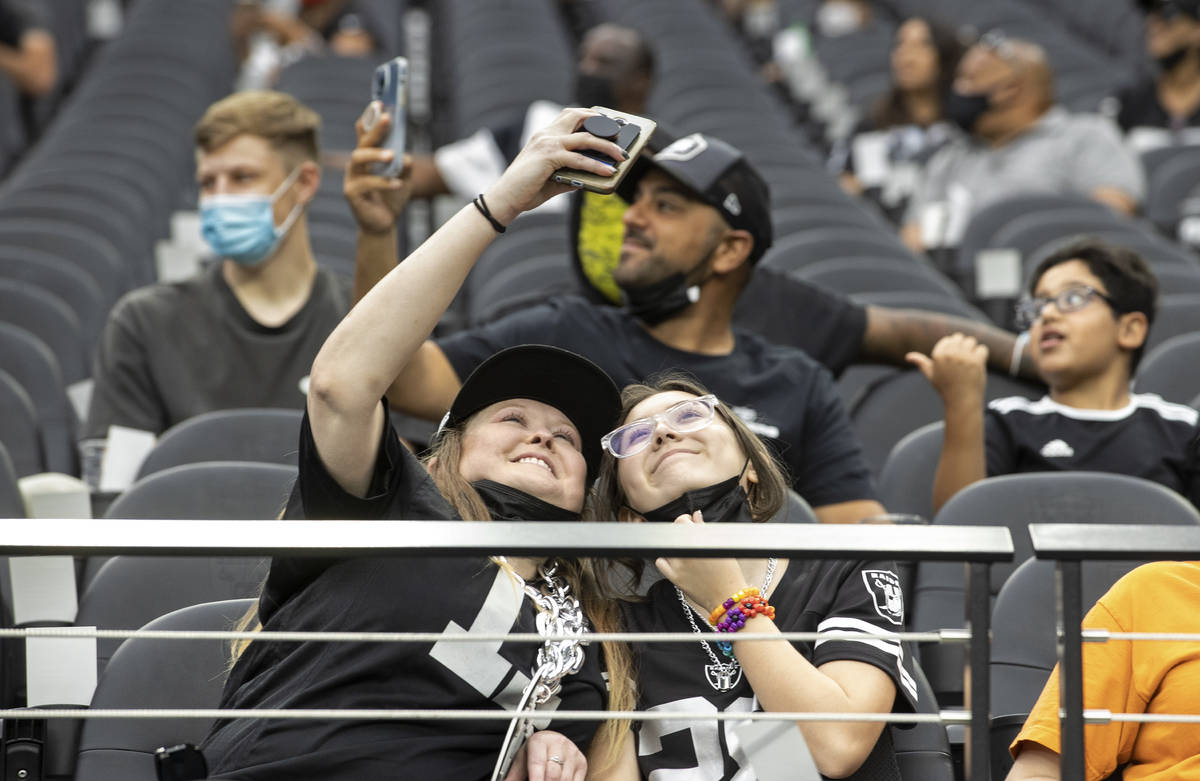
x=1088 y=313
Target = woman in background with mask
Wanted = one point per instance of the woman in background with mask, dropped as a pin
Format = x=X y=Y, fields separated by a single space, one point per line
x=680 y=456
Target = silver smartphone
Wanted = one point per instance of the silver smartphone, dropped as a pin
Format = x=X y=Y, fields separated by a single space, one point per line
x=389 y=86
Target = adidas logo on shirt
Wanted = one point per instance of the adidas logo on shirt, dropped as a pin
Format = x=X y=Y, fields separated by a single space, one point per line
x=1056 y=448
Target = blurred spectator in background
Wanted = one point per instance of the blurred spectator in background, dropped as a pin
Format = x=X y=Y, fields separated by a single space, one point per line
x=270 y=34
x=615 y=70
x=243 y=332
x=1089 y=310
x=905 y=126
x=27 y=51
x=1019 y=141
x=1160 y=110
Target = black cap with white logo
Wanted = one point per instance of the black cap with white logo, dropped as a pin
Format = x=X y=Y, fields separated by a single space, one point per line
x=720 y=176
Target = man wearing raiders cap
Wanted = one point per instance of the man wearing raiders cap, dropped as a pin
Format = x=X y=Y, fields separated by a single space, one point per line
x=698 y=220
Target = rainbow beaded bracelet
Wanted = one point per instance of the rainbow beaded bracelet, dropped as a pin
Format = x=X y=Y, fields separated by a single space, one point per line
x=718 y=612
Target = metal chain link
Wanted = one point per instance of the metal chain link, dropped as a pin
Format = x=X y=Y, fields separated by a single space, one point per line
x=560 y=619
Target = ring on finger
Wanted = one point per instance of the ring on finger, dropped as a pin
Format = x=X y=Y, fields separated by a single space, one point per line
x=556 y=758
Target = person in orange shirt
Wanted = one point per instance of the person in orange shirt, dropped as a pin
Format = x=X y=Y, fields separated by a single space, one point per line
x=1148 y=676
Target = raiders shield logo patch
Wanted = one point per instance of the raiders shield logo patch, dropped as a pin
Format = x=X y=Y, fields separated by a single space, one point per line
x=884 y=587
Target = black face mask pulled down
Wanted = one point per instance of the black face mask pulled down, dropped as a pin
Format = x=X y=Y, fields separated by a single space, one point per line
x=723 y=502
x=964 y=110
x=591 y=90
x=659 y=300
x=506 y=503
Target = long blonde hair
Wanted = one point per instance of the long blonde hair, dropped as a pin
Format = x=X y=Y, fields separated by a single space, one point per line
x=442 y=461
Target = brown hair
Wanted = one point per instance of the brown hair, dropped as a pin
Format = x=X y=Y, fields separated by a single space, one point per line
x=290 y=127
x=766 y=497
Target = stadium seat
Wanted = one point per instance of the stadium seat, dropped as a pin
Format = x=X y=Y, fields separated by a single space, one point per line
x=11 y=504
x=157 y=674
x=252 y=434
x=19 y=432
x=1024 y=644
x=811 y=246
x=61 y=278
x=1178 y=313
x=879 y=426
x=84 y=248
x=29 y=362
x=130 y=591
x=906 y=479
x=47 y=317
x=1015 y=501
x=855 y=275
x=923 y=750
x=522 y=285
x=1169 y=186
x=211 y=490
x=1172 y=369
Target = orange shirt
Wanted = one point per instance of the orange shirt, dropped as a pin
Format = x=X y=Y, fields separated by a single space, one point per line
x=1146 y=676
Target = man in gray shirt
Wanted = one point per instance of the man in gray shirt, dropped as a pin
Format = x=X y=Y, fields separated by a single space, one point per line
x=1017 y=141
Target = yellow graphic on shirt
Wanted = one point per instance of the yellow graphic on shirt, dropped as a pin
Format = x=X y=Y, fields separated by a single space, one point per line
x=599 y=241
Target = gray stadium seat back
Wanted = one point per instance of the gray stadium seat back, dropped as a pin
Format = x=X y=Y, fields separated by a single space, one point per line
x=86 y=249
x=62 y=278
x=854 y=275
x=879 y=427
x=19 y=430
x=1015 y=501
x=11 y=503
x=985 y=223
x=31 y=363
x=211 y=490
x=523 y=285
x=1178 y=313
x=906 y=480
x=157 y=674
x=131 y=591
x=915 y=299
x=47 y=317
x=254 y=434
x=1172 y=369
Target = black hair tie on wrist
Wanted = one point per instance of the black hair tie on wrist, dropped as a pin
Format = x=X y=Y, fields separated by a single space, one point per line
x=481 y=205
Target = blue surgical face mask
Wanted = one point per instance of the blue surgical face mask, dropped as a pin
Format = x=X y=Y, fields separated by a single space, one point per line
x=242 y=227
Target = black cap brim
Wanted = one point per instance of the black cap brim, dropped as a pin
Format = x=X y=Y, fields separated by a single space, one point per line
x=560 y=378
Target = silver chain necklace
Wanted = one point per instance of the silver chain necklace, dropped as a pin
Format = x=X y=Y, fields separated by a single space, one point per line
x=722 y=676
x=560 y=620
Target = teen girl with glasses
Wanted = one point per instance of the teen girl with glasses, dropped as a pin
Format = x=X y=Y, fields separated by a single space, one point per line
x=680 y=456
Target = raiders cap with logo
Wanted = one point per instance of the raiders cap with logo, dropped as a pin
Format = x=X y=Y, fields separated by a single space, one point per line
x=720 y=176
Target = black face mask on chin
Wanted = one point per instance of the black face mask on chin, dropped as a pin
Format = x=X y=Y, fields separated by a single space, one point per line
x=659 y=300
x=722 y=502
x=591 y=90
x=964 y=110
x=506 y=503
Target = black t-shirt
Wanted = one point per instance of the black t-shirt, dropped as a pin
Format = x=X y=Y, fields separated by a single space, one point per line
x=784 y=396
x=1140 y=107
x=451 y=596
x=785 y=310
x=1149 y=438
x=172 y=351
x=812 y=596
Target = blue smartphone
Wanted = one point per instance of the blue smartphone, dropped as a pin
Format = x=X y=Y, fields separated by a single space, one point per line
x=389 y=86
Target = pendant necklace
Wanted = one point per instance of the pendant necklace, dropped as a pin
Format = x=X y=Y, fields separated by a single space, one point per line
x=722 y=676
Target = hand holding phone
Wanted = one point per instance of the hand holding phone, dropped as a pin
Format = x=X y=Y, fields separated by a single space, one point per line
x=389 y=86
x=627 y=131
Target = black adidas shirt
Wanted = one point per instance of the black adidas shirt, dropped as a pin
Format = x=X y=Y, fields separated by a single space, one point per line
x=1149 y=438
x=812 y=596
x=784 y=396
x=451 y=596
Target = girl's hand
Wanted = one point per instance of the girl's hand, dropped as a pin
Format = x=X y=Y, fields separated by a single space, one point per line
x=548 y=756
x=709 y=582
x=527 y=182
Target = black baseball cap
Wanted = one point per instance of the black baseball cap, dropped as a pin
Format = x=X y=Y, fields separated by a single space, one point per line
x=720 y=176
x=565 y=380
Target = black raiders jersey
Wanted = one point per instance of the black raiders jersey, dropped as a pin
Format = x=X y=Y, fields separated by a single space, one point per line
x=1148 y=438
x=813 y=596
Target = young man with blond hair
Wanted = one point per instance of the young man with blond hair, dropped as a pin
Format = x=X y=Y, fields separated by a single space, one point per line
x=242 y=332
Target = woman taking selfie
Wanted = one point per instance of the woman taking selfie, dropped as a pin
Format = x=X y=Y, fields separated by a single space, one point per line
x=520 y=442
x=680 y=456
